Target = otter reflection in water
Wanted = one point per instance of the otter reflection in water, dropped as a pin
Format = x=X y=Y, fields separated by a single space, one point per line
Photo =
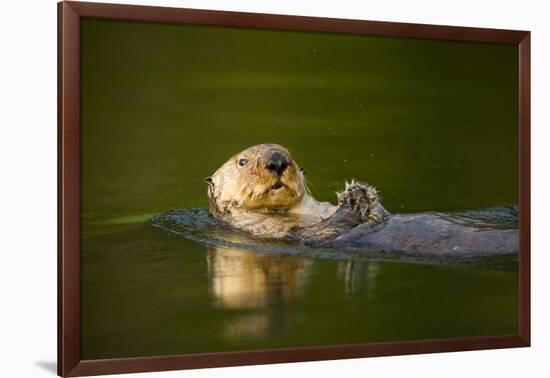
x=263 y=191
x=255 y=282
x=264 y=285
x=244 y=279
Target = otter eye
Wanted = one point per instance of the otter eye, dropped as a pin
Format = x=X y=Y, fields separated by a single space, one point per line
x=303 y=170
x=243 y=162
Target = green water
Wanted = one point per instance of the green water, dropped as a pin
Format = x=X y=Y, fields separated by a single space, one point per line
x=433 y=125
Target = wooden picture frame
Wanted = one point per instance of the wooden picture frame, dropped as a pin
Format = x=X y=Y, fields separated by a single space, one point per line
x=69 y=18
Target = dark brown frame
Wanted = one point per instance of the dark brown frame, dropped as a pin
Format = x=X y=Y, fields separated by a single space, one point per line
x=69 y=16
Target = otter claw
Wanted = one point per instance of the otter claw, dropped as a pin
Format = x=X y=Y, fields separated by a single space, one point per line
x=361 y=198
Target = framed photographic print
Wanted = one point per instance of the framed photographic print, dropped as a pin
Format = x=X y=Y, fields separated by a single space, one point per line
x=239 y=188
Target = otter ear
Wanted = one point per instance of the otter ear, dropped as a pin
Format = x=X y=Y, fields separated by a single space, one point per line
x=303 y=170
x=209 y=181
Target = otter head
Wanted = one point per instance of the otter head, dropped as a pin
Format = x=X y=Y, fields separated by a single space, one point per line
x=261 y=178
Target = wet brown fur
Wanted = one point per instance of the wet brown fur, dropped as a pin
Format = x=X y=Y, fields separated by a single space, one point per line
x=252 y=198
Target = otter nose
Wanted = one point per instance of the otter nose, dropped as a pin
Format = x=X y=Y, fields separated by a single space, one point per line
x=277 y=163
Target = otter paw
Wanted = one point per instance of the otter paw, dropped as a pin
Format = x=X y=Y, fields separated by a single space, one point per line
x=361 y=199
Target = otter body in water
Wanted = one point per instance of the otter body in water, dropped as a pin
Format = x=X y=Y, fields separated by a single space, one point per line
x=263 y=191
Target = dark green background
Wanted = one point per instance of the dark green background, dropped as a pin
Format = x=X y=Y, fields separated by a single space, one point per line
x=432 y=124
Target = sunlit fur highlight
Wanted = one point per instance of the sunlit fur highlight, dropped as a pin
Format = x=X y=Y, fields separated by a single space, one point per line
x=251 y=187
x=250 y=197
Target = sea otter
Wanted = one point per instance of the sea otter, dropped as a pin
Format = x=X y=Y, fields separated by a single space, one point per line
x=263 y=191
